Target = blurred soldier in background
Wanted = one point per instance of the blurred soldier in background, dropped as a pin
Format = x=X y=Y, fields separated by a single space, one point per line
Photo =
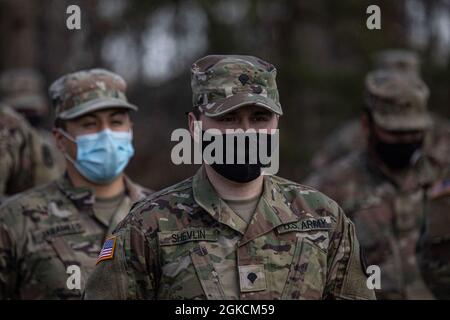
x=434 y=246
x=16 y=149
x=56 y=229
x=349 y=138
x=25 y=159
x=382 y=187
x=23 y=90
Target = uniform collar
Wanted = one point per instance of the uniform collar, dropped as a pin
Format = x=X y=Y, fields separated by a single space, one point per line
x=207 y=198
x=134 y=191
x=84 y=197
x=273 y=208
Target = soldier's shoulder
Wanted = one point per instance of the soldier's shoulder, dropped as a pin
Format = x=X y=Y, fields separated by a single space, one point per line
x=181 y=190
x=348 y=163
x=137 y=191
x=286 y=184
x=11 y=119
x=342 y=168
x=306 y=196
x=31 y=199
x=14 y=129
x=162 y=203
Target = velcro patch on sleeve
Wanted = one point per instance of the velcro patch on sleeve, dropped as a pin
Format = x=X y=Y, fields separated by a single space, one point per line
x=310 y=224
x=108 y=248
x=168 y=238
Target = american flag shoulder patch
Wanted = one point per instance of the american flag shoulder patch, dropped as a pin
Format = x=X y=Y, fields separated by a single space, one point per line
x=108 y=248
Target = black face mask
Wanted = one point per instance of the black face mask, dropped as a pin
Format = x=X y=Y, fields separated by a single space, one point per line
x=396 y=155
x=241 y=172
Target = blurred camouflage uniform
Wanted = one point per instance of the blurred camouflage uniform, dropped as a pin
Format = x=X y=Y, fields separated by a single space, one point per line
x=185 y=242
x=348 y=137
x=386 y=204
x=47 y=229
x=435 y=240
x=25 y=159
x=23 y=90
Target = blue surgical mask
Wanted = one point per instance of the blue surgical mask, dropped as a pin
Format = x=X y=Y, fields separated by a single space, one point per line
x=102 y=156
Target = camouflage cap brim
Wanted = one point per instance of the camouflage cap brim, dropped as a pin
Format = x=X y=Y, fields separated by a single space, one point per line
x=239 y=100
x=404 y=122
x=95 y=105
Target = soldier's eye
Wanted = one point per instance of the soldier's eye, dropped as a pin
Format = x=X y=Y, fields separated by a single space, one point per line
x=261 y=118
x=89 y=124
x=117 y=122
x=228 y=119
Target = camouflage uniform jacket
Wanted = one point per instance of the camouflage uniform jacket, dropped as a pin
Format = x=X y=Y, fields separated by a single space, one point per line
x=184 y=242
x=26 y=160
x=47 y=229
x=435 y=240
x=387 y=211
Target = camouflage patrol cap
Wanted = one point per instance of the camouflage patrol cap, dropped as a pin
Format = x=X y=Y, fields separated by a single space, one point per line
x=23 y=90
x=397 y=100
x=398 y=59
x=86 y=91
x=222 y=83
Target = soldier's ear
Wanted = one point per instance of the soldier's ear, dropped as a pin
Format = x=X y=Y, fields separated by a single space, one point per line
x=59 y=139
x=130 y=119
x=277 y=117
x=192 y=122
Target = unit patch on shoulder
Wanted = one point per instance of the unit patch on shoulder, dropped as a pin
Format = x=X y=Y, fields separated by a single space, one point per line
x=108 y=248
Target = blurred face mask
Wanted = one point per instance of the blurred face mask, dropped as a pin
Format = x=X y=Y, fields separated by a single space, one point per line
x=395 y=155
x=250 y=168
x=102 y=156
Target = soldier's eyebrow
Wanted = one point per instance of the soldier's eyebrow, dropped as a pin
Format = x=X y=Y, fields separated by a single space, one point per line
x=86 y=117
x=262 y=113
x=118 y=113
